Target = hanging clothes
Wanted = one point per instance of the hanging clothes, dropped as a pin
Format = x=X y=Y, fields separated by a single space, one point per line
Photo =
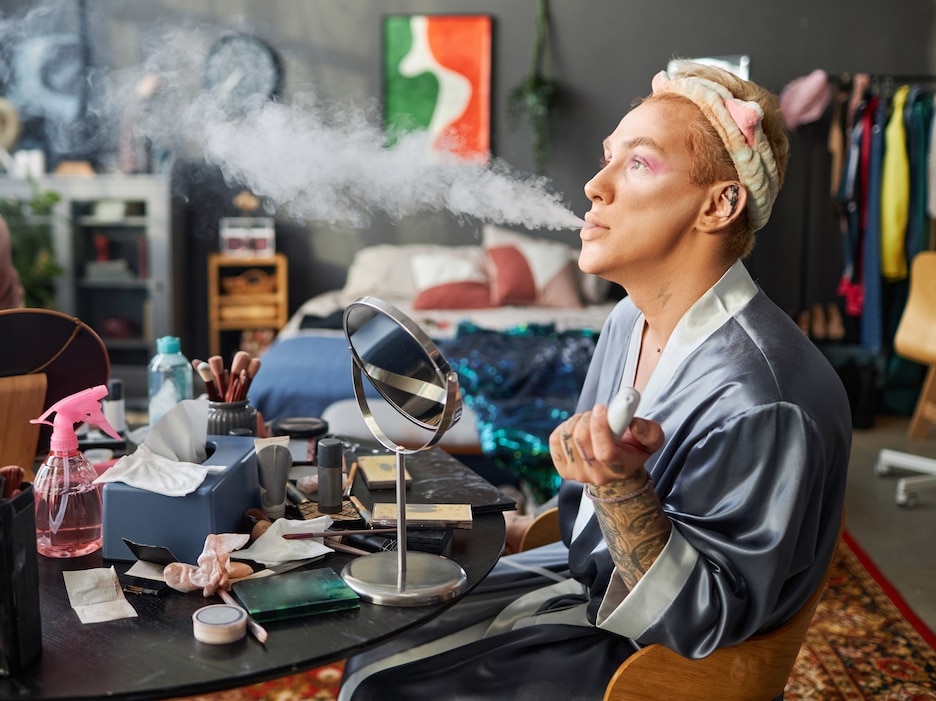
x=850 y=199
x=931 y=173
x=872 y=328
x=903 y=378
x=895 y=191
x=887 y=200
x=919 y=118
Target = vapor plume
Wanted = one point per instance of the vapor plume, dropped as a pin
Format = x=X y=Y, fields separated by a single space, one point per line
x=313 y=161
x=324 y=162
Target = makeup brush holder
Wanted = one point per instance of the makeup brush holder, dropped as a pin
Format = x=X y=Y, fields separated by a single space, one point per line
x=227 y=418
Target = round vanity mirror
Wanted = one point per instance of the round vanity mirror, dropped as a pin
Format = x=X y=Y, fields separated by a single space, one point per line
x=404 y=366
x=408 y=371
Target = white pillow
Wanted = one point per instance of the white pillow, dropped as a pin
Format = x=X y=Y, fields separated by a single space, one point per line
x=452 y=279
x=381 y=271
x=385 y=270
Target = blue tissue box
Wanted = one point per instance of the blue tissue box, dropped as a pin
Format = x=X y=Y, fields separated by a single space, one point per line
x=182 y=523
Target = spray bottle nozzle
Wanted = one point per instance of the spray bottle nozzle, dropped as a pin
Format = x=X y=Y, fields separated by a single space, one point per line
x=81 y=406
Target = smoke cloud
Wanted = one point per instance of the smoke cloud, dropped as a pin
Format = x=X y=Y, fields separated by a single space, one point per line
x=317 y=161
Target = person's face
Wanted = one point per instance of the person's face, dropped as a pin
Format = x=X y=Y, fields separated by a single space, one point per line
x=643 y=201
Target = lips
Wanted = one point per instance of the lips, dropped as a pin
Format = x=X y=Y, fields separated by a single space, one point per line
x=591 y=228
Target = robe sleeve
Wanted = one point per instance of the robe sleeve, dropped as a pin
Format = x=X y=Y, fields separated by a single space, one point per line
x=747 y=547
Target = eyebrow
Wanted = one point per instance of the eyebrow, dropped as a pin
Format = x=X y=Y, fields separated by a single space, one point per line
x=631 y=144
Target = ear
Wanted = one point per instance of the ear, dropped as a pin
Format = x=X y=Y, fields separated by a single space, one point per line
x=725 y=203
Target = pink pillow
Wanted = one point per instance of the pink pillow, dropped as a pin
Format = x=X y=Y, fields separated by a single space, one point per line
x=449 y=281
x=528 y=271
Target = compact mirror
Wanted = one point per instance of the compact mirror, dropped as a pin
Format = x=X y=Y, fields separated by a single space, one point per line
x=408 y=371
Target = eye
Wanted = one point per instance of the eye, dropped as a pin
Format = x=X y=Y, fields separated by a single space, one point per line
x=638 y=164
x=604 y=161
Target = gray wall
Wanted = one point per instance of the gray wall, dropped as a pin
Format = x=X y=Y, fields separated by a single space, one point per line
x=603 y=52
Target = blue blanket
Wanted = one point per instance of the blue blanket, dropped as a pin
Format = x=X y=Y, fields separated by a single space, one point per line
x=301 y=376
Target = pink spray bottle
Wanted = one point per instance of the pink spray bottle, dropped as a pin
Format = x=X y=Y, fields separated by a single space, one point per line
x=68 y=503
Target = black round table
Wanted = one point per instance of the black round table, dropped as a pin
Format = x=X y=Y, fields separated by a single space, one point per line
x=155 y=656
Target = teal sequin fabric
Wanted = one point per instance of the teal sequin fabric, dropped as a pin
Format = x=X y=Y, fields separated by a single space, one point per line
x=521 y=383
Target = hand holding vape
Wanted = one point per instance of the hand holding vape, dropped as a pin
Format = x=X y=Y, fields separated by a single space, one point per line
x=621 y=410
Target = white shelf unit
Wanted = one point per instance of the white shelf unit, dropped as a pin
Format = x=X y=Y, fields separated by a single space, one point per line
x=114 y=218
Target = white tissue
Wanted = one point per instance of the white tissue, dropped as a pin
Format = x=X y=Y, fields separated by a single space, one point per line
x=169 y=461
x=272 y=549
x=95 y=595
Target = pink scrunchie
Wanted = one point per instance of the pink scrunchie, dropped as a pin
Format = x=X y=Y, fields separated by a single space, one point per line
x=214 y=565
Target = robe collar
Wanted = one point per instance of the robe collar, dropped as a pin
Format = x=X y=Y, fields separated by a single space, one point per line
x=710 y=312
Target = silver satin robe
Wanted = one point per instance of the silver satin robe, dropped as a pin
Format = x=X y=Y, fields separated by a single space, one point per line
x=752 y=474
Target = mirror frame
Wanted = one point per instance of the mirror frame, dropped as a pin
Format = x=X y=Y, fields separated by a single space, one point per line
x=448 y=396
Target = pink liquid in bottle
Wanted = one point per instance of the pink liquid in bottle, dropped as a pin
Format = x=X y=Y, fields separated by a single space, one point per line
x=68 y=507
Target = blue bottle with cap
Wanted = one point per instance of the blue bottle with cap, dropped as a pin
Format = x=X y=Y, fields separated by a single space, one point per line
x=170 y=377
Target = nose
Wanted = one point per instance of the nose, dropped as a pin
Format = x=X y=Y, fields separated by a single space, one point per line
x=595 y=189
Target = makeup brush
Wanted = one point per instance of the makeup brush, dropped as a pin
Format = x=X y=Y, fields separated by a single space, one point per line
x=216 y=362
x=241 y=361
x=239 y=365
x=253 y=367
x=204 y=371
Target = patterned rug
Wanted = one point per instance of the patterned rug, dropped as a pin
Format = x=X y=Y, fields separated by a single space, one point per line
x=864 y=644
x=864 y=641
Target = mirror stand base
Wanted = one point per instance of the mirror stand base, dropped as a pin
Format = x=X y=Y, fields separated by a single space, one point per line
x=429 y=579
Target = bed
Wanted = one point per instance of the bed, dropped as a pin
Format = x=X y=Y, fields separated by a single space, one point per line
x=513 y=316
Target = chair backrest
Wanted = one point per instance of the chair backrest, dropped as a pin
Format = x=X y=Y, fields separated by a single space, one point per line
x=915 y=338
x=544 y=529
x=21 y=398
x=756 y=669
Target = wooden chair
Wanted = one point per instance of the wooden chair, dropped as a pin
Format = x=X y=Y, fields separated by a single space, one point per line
x=756 y=669
x=544 y=529
x=915 y=340
x=21 y=398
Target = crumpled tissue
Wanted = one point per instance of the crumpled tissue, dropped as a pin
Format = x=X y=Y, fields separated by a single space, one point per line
x=169 y=461
x=272 y=549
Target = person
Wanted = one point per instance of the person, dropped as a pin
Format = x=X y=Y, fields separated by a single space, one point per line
x=717 y=513
x=11 y=289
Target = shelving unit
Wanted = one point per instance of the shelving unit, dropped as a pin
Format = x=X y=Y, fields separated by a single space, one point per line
x=113 y=239
x=245 y=293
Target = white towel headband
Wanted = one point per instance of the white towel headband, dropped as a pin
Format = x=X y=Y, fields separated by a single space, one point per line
x=738 y=123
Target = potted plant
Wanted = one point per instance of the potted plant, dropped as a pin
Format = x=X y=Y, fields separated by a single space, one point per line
x=30 y=224
x=536 y=95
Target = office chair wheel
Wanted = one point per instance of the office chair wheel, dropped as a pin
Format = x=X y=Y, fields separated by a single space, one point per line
x=881 y=469
x=907 y=500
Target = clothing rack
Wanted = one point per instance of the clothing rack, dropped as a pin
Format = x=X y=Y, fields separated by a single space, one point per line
x=884 y=85
x=879 y=85
x=844 y=80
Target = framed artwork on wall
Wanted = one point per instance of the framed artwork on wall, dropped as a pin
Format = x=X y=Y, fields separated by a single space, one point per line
x=437 y=78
